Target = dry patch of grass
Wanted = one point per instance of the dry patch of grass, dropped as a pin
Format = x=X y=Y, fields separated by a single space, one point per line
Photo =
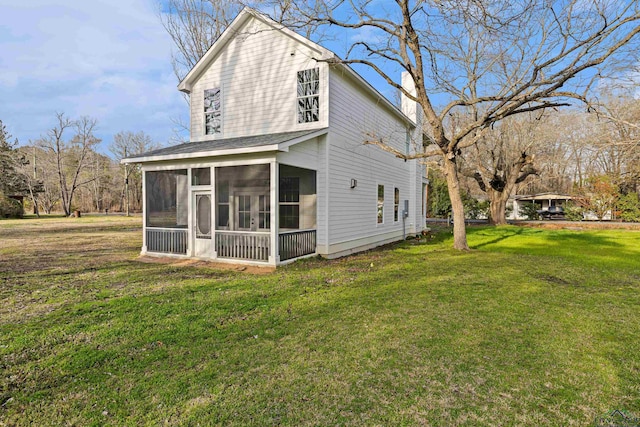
x=179 y=262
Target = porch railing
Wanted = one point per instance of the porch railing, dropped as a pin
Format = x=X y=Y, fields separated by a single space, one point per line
x=167 y=240
x=296 y=243
x=243 y=245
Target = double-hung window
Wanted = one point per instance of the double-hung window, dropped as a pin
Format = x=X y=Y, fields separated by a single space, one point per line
x=212 y=111
x=309 y=95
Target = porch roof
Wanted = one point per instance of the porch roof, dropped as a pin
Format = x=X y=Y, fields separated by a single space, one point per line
x=222 y=147
x=544 y=196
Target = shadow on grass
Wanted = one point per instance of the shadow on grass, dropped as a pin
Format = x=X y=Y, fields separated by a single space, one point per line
x=501 y=235
x=618 y=248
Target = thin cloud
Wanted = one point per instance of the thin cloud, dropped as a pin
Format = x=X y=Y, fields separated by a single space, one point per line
x=109 y=60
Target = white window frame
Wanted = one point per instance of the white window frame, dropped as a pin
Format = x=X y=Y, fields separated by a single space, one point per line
x=379 y=206
x=204 y=113
x=298 y=97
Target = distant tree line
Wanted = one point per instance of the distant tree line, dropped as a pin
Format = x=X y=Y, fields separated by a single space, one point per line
x=62 y=171
x=592 y=156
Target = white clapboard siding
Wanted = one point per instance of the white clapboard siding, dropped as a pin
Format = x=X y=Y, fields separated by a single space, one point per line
x=257 y=72
x=353 y=112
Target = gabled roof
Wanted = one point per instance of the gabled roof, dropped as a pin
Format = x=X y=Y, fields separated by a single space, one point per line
x=324 y=54
x=224 y=147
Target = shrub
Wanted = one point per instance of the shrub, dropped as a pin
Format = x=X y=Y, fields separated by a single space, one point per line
x=629 y=206
x=10 y=208
x=573 y=212
x=474 y=208
x=529 y=211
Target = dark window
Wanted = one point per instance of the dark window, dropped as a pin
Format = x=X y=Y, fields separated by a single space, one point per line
x=396 y=203
x=289 y=190
x=289 y=216
x=289 y=202
x=223 y=215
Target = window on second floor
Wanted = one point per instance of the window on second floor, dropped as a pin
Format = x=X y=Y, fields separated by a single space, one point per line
x=309 y=95
x=212 y=111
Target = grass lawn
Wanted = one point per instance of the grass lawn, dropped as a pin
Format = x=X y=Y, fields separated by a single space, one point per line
x=533 y=327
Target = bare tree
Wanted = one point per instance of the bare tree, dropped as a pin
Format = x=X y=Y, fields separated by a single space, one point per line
x=617 y=139
x=126 y=144
x=503 y=158
x=70 y=156
x=491 y=60
x=193 y=26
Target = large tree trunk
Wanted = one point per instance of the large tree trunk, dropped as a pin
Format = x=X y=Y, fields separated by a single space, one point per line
x=497 y=208
x=453 y=184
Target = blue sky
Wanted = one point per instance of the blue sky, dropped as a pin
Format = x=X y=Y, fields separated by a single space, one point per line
x=106 y=59
x=110 y=60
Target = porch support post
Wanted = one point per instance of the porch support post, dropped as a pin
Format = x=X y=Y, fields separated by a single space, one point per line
x=214 y=212
x=274 y=255
x=191 y=235
x=144 y=211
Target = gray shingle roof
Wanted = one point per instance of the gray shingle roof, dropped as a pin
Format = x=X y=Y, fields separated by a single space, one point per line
x=226 y=144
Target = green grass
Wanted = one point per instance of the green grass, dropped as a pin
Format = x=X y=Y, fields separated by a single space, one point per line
x=533 y=327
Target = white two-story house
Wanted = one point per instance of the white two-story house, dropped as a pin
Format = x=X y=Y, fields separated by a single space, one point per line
x=276 y=168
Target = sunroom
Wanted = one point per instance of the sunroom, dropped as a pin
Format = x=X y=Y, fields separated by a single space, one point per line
x=230 y=208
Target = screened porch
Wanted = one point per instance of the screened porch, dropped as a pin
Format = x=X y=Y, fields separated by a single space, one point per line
x=232 y=212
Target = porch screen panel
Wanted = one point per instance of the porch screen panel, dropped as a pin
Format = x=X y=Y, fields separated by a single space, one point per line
x=290 y=202
x=237 y=195
x=167 y=197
